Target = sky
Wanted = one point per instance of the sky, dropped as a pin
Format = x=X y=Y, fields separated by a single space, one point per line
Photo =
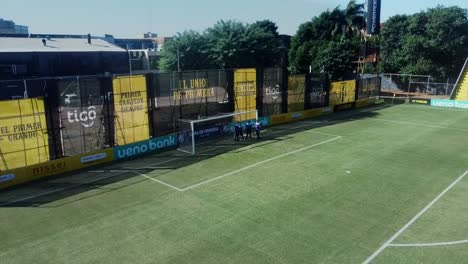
x=128 y=18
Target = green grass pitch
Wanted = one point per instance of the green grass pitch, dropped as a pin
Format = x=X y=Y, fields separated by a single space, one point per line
x=381 y=185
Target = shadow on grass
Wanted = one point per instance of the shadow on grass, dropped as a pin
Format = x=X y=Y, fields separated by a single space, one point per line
x=105 y=179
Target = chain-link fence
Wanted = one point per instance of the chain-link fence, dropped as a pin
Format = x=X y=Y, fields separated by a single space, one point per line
x=187 y=95
x=408 y=85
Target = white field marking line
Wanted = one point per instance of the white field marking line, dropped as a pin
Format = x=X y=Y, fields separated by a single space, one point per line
x=431 y=244
x=59 y=190
x=158 y=181
x=321 y=133
x=403 y=229
x=417 y=124
x=259 y=163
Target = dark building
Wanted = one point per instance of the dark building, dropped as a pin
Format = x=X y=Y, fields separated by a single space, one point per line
x=9 y=27
x=136 y=44
x=49 y=57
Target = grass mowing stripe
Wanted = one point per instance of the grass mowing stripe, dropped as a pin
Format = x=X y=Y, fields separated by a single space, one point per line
x=418 y=124
x=397 y=234
x=60 y=189
x=259 y=163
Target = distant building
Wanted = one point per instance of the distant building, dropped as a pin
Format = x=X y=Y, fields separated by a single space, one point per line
x=48 y=57
x=160 y=41
x=148 y=35
x=9 y=27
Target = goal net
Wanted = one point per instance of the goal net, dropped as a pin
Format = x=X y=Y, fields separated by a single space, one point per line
x=193 y=133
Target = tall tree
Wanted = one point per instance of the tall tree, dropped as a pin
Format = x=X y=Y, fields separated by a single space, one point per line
x=187 y=50
x=433 y=42
x=329 y=43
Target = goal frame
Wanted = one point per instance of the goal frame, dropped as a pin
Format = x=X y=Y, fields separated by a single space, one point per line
x=197 y=121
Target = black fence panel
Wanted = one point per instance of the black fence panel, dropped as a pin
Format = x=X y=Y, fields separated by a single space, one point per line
x=187 y=95
x=82 y=105
x=317 y=91
x=274 y=92
x=368 y=87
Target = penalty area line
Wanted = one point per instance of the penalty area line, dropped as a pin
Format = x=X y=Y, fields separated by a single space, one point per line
x=259 y=163
x=439 y=244
x=416 y=217
x=158 y=181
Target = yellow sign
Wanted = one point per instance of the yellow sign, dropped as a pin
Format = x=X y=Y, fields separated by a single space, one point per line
x=131 y=109
x=296 y=91
x=362 y=103
x=245 y=91
x=23 y=133
x=190 y=89
x=301 y=115
x=55 y=167
x=342 y=92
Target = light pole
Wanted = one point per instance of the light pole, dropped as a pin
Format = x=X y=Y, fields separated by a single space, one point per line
x=178 y=59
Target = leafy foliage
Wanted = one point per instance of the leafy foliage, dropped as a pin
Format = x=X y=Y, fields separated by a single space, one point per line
x=329 y=43
x=228 y=44
x=433 y=42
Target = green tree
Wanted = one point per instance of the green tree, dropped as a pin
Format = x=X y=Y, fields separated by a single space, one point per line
x=329 y=43
x=232 y=44
x=433 y=42
x=189 y=49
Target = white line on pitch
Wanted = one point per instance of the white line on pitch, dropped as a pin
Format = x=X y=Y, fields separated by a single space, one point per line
x=418 y=124
x=158 y=181
x=59 y=190
x=321 y=133
x=431 y=244
x=259 y=163
x=397 y=234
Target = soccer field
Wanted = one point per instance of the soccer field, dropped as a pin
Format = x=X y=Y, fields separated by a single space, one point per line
x=380 y=185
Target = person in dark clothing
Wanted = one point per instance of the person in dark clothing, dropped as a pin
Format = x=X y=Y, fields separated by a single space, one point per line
x=258 y=127
x=248 y=129
x=236 y=130
x=241 y=131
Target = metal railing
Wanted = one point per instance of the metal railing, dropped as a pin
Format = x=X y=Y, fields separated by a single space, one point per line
x=459 y=78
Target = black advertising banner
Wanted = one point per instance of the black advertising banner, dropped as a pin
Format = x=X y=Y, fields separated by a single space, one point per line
x=81 y=116
x=373 y=17
x=420 y=101
x=187 y=95
x=273 y=90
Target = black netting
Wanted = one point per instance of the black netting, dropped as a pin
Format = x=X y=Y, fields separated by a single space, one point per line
x=81 y=104
x=317 y=91
x=296 y=92
x=19 y=89
x=369 y=87
x=273 y=91
x=187 y=95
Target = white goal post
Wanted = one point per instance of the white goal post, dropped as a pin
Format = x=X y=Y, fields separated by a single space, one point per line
x=194 y=132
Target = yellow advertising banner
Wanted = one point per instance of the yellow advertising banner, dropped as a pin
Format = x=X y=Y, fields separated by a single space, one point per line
x=131 y=109
x=301 y=115
x=296 y=92
x=342 y=92
x=55 y=167
x=23 y=133
x=245 y=91
x=362 y=103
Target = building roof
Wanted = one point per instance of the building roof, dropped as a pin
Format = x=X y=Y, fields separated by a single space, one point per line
x=55 y=45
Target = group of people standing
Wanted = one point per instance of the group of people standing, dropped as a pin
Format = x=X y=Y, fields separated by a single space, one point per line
x=249 y=125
